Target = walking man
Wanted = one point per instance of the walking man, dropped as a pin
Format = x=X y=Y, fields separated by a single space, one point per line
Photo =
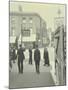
x=37 y=59
x=21 y=57
x=30 y=56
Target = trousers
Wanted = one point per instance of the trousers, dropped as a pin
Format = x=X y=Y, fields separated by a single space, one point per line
x=20 y=66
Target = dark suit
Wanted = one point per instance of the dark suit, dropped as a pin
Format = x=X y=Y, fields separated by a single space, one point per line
x=37 y=59
x=30 y=56
x=46 y=57
x=20 y=59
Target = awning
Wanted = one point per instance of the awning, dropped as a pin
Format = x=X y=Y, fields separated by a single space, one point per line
x=31 y=38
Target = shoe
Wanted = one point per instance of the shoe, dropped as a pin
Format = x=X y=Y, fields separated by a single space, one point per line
x=22 y=72
x=44 y=64
x=38 y=72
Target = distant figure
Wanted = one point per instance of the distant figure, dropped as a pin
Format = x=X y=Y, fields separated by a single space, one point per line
x=37 y=59
x=14 y=55
x=10 y=59
x=46 y=57
x=21 y=57
x=30 y=56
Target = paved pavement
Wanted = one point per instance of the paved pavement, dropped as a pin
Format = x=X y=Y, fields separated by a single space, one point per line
x=30 y=78
x=30 y=68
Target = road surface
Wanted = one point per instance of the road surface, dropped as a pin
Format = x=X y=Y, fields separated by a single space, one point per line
x=30 y=78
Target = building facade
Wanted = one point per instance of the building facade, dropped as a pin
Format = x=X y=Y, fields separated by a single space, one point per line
x=60 y=52
x=28 y=28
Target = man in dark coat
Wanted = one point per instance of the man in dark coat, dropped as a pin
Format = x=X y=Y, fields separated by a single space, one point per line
x=21 y=57
x=46 y=57
x=30 y=56
x=37 y=59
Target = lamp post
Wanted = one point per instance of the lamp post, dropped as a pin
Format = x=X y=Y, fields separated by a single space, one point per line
x=20 y=10
x=21 y=34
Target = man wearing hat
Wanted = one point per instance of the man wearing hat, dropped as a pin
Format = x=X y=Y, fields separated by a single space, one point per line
x=21 y=57
x=37 y=59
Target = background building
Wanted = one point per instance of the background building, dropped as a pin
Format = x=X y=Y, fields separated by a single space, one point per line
x=28 y=28
x=60 y=51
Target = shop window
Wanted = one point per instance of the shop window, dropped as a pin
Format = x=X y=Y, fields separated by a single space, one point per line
x=13 y=20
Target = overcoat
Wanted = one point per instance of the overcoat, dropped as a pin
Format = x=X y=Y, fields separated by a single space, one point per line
x=37 y=55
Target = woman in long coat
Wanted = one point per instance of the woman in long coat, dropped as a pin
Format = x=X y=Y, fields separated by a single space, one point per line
x=30 y=56
x=46 y=57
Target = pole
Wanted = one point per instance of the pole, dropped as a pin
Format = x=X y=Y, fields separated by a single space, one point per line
x=20 y=9
x=21 y=34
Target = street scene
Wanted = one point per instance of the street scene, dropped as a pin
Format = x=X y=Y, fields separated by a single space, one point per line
x=37 y=45
x=29 y=72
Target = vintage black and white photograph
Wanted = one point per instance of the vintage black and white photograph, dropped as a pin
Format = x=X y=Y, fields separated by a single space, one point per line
x=37 y=44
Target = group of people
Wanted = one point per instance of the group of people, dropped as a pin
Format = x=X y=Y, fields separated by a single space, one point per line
x=37 y=58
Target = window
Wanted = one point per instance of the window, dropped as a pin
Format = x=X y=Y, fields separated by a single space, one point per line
x=12 y=18
x=13 y=32
x=30 y=20
x=24 y=20
x=31 y=30
x=26 y=33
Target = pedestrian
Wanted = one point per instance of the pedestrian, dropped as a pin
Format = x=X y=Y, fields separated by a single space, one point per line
x=30 y=56
x=10 y=59
x=46 y=57
x=14 y=54
x=21 y=57
x=37 y=59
